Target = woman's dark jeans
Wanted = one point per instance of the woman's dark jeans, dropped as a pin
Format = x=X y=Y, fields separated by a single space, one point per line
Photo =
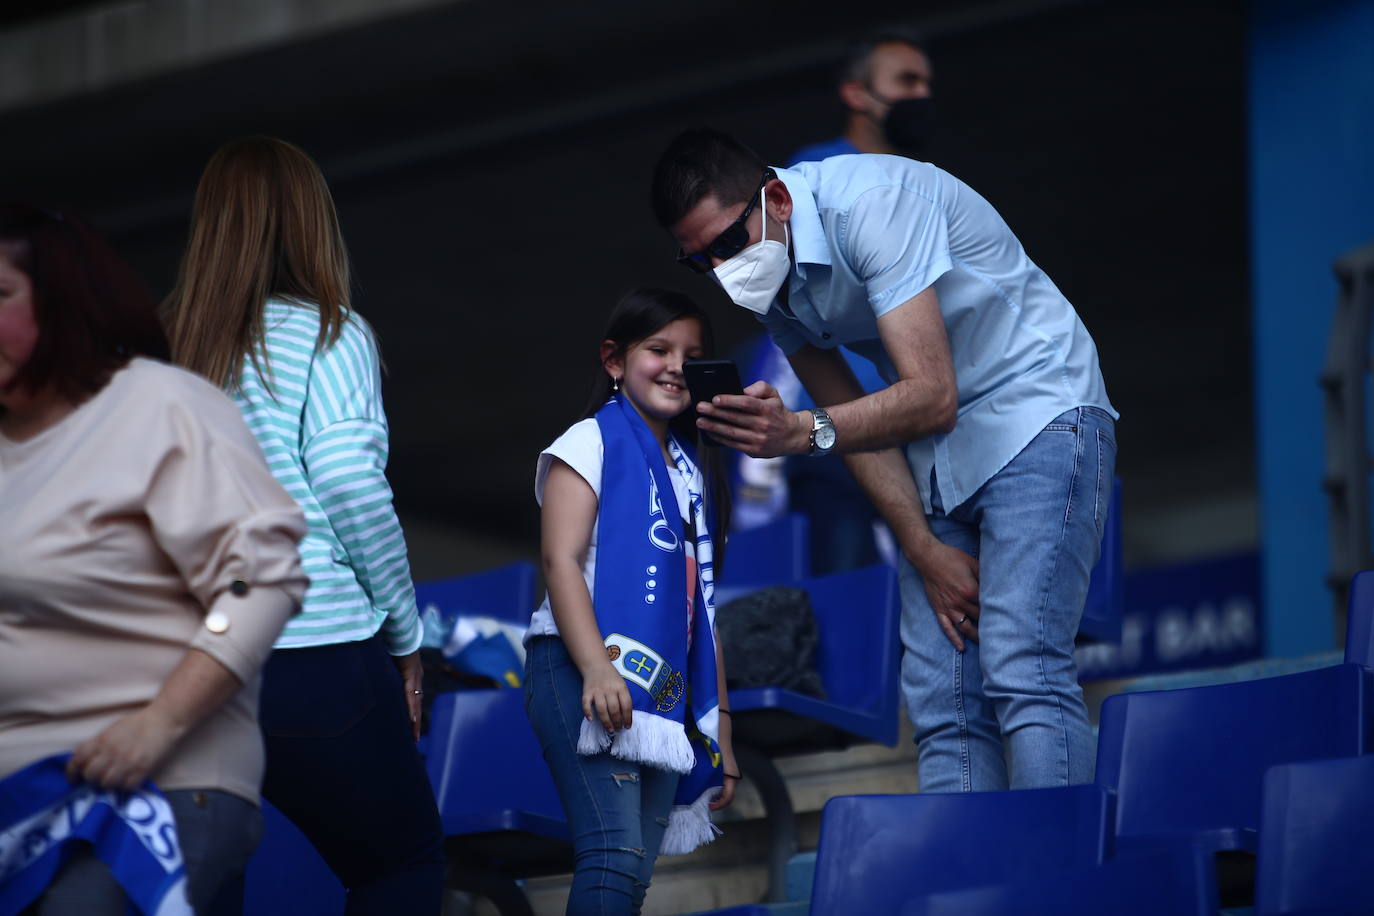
x=341 y=764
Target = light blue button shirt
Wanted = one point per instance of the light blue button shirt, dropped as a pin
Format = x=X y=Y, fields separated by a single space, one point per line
x=869 y=233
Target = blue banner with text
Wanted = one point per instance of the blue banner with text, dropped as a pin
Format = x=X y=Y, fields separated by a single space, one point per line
x=1201 y=614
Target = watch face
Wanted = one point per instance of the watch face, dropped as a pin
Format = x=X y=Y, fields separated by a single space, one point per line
x=825 y=438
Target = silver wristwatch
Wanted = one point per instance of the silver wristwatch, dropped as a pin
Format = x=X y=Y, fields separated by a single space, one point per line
x=822 y=433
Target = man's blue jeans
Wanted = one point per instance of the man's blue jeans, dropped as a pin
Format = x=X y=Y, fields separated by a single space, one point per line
x=618 y=810
x=1008 y=711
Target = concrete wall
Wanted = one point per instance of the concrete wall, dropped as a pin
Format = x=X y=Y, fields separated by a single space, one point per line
x=110 y=44
x=490 y=160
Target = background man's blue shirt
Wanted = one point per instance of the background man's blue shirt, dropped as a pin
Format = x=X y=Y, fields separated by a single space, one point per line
x=869 y=233
x=838 y=146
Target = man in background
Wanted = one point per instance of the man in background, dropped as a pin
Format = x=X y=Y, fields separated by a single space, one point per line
x=885 y=87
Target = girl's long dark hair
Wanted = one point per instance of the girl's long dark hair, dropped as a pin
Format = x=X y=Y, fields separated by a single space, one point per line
x=640 y=314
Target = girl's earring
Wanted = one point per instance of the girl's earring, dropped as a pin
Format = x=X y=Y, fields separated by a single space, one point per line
x=615 y=385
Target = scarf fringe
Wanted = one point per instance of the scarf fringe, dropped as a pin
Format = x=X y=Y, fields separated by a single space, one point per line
x=689 y=826
x=652 y=740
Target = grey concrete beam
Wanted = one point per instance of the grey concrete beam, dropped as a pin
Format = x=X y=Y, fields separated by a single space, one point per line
x=106 y=46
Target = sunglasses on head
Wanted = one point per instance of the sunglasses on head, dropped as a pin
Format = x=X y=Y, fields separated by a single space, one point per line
x=730 y=242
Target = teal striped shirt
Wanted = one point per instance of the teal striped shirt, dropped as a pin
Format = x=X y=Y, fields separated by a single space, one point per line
x=320 y=422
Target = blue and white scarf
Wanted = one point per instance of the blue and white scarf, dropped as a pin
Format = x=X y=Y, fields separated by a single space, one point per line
x=655 y=604
x=43 y=816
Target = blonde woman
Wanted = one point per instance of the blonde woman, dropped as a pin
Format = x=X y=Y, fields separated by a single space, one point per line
x=262 y=308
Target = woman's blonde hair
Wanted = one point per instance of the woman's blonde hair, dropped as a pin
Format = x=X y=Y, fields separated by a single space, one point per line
x=263 y=225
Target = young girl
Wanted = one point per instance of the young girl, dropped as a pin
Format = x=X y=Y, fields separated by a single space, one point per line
x=628 y=624
x=262 y=308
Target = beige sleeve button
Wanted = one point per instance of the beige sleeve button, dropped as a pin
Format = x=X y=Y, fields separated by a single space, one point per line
x=217 y=622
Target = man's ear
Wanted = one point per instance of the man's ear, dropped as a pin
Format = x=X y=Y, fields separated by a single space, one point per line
x=855 y=96
x=779 y=200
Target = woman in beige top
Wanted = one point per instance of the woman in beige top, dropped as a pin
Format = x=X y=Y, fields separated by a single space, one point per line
x=148 y=560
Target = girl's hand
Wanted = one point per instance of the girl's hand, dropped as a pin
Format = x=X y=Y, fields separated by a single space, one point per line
x=730 y=767
x=126 y=752
x=605 y=696
x=412 y=676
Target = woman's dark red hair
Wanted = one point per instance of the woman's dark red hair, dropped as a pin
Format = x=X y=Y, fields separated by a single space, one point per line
x=93 y=313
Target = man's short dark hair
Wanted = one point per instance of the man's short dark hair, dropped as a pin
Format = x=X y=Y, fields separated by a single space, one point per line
x=701 y=162
x=858 y=64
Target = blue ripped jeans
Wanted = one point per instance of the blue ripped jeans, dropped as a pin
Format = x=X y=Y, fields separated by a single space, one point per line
x=1008 y=711
x=617 y=810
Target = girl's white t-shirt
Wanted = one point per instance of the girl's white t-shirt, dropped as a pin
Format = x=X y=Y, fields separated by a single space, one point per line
x=581 y=449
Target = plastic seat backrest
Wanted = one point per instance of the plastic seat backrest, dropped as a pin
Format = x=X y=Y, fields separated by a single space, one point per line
x=1359 y=624
x=506 y=593
x=878 y=851
x=1181 y=881
x=1192 y=761
x=486 y=766
x=777 y=553
x=286 y=876
x=1106 y=603
x=858 y=650
x=1316 y=846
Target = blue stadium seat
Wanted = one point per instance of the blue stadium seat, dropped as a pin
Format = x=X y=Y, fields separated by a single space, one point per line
x=857 y=657
x=1188 y=764
x=487 y=769
x=1359 y=623
x=777 y=553
x=1179 y=882
x=1316 y=844
x=879 y=851
x=1106 y=602
x=506 y=593
x=286 y=876
x=501 y=815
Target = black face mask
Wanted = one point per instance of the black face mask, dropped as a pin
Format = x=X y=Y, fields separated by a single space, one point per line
x=909 y=126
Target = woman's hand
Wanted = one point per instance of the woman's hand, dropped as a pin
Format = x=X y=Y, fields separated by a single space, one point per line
x=126 y=752
x=412 y=676
x=135 y=745
x=605 y=696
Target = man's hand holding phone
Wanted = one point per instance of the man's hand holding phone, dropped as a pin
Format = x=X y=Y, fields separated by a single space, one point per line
x=708 y=379
x=753 y=420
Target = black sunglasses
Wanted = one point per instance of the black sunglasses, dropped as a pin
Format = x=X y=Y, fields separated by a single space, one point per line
x=730 y=242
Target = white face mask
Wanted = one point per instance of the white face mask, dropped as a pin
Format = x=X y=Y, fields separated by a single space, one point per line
x=753 y=277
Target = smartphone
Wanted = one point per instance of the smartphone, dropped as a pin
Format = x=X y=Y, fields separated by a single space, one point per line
x=707 y=378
